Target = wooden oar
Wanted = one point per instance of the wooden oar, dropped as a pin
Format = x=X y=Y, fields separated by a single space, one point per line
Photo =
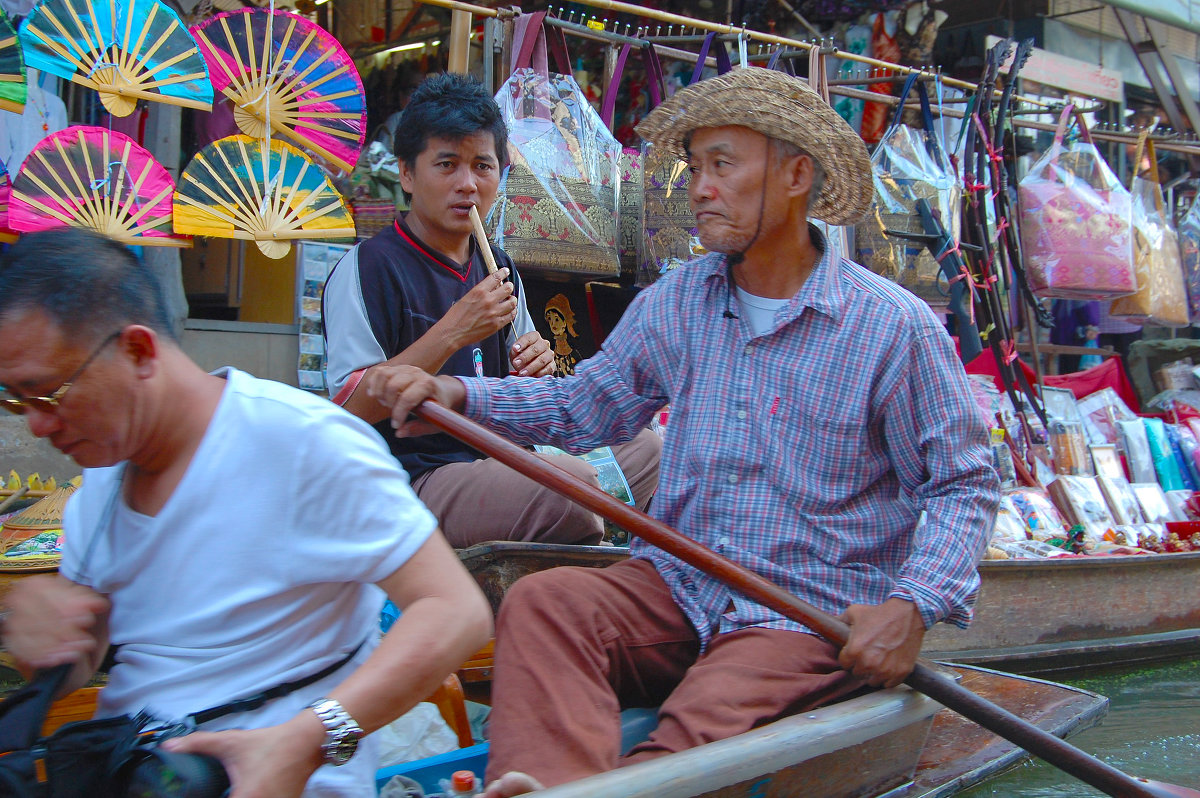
x=1057 y=752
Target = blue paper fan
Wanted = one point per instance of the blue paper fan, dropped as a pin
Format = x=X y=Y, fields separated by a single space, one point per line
x=126 y=50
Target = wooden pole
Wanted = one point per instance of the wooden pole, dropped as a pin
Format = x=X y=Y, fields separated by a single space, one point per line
x=460 y=41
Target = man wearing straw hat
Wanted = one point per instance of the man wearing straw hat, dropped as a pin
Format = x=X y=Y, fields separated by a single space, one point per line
x=818 y=411
x=419 y=293
x=232 y=536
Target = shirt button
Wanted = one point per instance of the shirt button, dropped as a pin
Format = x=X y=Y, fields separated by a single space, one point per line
x=741 y=414
x=733 y=478
x=749 y=350
x=725 y=541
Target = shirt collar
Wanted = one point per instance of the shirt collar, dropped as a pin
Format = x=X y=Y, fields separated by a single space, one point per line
x=823 y=291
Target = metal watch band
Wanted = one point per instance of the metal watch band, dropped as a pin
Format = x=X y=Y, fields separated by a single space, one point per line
x=342 y=732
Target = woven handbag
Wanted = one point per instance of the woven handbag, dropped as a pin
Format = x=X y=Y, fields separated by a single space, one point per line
x=669 y=237
x=557 y=208
x=1161 y=298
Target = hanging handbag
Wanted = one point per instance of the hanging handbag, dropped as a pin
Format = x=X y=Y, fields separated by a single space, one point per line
x=632 y=194
x=1076 y=232
x=1161 y=298
x=669 y=237
x=557 y=206
x=908 y=165
x=1189 y=253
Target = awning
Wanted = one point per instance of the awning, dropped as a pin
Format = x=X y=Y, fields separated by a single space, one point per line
x=1183 y=14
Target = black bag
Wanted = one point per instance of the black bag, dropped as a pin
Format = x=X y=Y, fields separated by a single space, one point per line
x=77 y=760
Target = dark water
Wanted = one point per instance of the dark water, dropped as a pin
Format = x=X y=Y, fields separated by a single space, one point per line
x=1152 y=730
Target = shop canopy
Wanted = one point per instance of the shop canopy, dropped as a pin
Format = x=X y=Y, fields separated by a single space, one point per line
x=1183 y=14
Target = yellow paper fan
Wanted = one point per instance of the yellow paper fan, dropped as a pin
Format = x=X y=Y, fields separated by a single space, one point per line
x=126 y=50
x=234 y=188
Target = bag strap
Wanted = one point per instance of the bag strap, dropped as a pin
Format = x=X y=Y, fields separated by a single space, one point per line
x=257 y=700
x=654 y=81
x=722 y=56
x=818 y=79
x=551 y=39
x=23 y=712
x=778 y=63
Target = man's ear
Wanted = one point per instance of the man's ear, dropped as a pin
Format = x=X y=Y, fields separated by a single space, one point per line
x=142 y=346
x=406 y=177
x=799 y=173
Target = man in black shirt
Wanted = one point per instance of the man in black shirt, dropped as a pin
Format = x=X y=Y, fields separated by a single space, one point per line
x=418 y=293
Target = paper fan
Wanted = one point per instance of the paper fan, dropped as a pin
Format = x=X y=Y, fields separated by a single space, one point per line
x=12 y=68
x=283 y=66
x=7 y=234
x=96 y=178
x=234 y=188
x=127 y=50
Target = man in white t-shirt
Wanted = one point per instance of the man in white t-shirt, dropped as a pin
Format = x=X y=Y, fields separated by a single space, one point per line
x=232 y=534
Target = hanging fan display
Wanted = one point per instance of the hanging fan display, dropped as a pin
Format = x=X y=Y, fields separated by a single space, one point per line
x=96 y=178
x=281 y=67
x=128 y=51
x=237 y=188
x=12 y=68
x=7 y=234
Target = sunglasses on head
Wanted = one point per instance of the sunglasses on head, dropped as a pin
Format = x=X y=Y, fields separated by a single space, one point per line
x=50 y=402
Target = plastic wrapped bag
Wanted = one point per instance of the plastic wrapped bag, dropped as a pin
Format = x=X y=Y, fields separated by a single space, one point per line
x=1161 y=297
x=909 y=164
x=1189 y=254
x=419 y=733
x=557 y=207
x=1076 y=228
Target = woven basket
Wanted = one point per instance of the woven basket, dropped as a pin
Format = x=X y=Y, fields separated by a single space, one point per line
x=372 y=215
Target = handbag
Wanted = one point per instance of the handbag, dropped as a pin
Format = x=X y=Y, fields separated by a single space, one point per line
x=557 y=206
x=1076 y=222
x=908 y=165
x=629 y=245
x=1161 y=298
x=1189 y=253
x=112 y=757
x=669 y=237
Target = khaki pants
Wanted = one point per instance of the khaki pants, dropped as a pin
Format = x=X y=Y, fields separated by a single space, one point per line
x=486 y=500
x=575 y=646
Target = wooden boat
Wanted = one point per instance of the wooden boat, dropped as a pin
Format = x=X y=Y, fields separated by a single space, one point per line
x=1032 y=616
x=895 y=743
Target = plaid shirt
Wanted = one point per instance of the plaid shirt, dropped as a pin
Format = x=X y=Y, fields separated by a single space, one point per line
x=806 y=454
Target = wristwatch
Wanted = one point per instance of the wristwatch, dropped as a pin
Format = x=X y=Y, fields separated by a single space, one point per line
x=342 y=733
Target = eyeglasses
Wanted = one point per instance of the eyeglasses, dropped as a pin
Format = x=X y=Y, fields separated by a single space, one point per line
x=50 y=403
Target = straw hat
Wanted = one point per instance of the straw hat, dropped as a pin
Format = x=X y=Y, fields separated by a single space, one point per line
x=782 y=107
x=42 y=516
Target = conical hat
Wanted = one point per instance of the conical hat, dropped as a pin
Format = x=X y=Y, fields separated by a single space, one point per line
x=42 y=516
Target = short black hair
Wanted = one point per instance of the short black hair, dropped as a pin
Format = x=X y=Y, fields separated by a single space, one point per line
x=449 y=106
x=88 y=284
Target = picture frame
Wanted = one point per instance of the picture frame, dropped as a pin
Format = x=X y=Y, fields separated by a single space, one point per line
x=1083 y=501
x=1107 y=461
x=1122 y=501
x=1061 y=403
x=1153 y=501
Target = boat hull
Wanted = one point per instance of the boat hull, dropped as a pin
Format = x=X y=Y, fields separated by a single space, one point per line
x=1032 y=616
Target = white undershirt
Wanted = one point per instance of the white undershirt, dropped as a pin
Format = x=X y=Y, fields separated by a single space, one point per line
x=758 y=310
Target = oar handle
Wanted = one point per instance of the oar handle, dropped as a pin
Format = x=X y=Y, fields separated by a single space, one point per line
x=946 y=692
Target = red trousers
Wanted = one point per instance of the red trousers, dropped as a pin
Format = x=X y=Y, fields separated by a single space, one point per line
x=575 y=646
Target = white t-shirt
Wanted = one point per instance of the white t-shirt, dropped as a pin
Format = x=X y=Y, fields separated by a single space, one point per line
x=258 y=570
x=759 y=310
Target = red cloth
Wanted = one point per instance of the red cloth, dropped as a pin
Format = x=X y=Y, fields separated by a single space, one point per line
x=1109 y=374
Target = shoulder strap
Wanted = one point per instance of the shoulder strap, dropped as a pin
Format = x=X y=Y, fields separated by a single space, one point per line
x=255 y=701
x=22 y=713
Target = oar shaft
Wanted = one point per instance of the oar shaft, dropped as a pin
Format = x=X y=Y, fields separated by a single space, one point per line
x=948 y=693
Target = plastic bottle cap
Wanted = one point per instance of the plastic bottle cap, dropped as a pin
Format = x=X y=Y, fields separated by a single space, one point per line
x=463 y=780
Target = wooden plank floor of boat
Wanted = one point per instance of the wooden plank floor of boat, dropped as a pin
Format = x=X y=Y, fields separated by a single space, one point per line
x=959 y=753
